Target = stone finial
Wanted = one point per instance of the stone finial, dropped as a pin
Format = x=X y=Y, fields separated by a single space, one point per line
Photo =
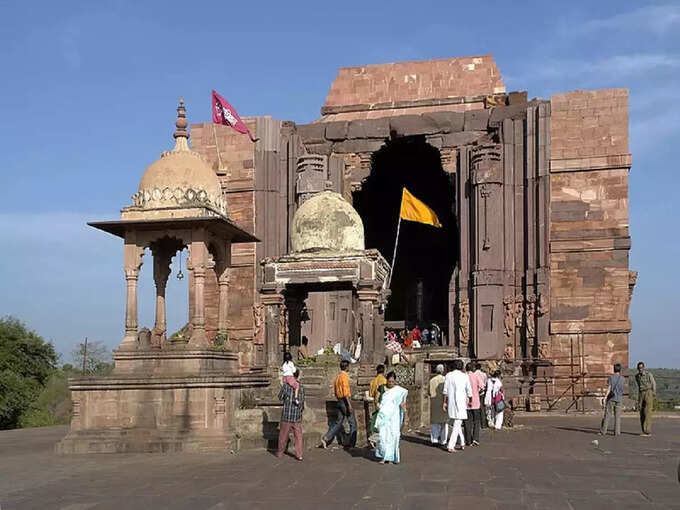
x=181 y=134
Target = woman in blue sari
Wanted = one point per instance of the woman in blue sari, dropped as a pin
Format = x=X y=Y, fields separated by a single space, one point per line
x=389 y=420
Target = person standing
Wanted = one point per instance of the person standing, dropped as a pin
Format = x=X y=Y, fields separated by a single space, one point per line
x=439 y=418
x=291 y=417
x=481 y=375
x=375 y=392
x=377 y=382
x=345 y=411
x=613 y=402
x=493 y=398
x=389 y=420
x=457 y=392
x=646 y=393
x=474 y=421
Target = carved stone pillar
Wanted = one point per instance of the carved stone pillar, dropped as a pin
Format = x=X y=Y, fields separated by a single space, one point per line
x=223 y=305
x=272 y=308
x=161 y=271
x=197 y=264
x=487 y=312
x=132 y=262
x=370 y=319
x=294 y=304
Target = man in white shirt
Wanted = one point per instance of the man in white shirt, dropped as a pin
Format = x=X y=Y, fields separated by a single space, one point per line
x=457 y=394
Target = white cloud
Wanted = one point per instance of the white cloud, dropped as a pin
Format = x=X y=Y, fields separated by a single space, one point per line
x=658 y=19
x=616 y=66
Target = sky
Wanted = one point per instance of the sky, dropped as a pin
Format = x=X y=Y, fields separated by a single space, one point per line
x=89 y=90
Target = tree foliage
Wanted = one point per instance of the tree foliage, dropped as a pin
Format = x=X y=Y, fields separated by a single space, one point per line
x=26 y=364
x=96 y=355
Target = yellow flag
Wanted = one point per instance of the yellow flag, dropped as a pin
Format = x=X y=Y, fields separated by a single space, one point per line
x=413 y=209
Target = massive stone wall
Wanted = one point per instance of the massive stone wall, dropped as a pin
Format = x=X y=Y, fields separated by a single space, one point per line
x=384 y=90
x=589 y=228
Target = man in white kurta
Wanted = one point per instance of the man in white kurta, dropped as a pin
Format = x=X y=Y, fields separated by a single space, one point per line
x=457 y=393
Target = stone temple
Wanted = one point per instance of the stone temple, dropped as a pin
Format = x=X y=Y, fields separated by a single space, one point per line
x=291 y=237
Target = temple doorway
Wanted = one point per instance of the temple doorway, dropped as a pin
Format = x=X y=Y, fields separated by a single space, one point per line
x=426 y=255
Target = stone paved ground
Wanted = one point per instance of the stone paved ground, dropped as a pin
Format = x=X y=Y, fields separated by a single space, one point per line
x=546 y=463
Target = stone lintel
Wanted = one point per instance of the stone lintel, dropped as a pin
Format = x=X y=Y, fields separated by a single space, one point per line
x=591 y=244
x=392 y=105
x=589 y=326
x=585 y=164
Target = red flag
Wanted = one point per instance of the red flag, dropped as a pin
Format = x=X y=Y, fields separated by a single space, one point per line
x=223 y=113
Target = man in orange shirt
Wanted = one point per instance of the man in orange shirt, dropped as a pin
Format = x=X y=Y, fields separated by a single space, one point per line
x=342 y=393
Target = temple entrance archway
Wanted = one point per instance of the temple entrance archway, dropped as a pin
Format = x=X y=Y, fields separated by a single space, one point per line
x=426 y=255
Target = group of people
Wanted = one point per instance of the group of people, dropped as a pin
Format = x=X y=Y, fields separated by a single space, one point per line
x=462 y=402
x=613 y=402
x=415 y=338
x=469 y=400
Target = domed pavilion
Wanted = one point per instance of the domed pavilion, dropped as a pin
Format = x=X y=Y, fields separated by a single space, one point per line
x=179 y=204
x=327 y=255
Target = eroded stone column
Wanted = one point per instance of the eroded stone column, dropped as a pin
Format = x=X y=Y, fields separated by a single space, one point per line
x=197 y=266
x=223 y=283
x=369 y=310
x=132 y=263
x=272 y=308
x=161 y=271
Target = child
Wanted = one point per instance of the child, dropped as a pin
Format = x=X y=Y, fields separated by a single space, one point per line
x=288 y=370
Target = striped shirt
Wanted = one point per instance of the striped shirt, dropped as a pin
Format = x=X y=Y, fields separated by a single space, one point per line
x=291 y=411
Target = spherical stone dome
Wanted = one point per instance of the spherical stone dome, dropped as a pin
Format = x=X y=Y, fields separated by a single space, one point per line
x=327 y=222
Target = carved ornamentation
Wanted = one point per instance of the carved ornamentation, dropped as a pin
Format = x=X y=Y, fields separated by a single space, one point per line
x=509 y=353
x=179 y=197
x=486 y=165
x=258 y=321
x=509 y=315
x=519 y=311
x=464 y=321
x=544 y=350
x=220 y=405
x=283 y=324
x=542 y=305
x=531 y=316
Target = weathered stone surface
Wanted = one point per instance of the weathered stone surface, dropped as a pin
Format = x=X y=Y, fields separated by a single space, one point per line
x=336 y=131
x=357 y=146
x=327 y=222
x=409 y=125
x=312 y=133
x=477 y=120
x=501 y=113
x=517 y=97
x=411 y=81
x=374 y=128
x=458 y=139
x=447 y=122
x=320 y=148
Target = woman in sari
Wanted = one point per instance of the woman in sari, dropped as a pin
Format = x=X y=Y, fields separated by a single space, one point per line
x=389 y=420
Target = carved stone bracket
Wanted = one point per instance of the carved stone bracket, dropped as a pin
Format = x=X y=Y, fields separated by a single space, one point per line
x=464 y=321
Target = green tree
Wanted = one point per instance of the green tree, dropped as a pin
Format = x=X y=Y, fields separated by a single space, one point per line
x=26 y=363
x=96 y=355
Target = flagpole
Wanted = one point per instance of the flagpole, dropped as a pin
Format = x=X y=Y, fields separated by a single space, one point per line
x=394 y=255
x=219 y=158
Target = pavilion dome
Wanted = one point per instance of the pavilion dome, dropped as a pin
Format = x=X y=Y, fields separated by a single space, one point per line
x=180 y=178
x=327 y=222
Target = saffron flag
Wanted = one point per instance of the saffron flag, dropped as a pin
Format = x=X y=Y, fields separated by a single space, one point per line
x=413 y=209
x=224 y=114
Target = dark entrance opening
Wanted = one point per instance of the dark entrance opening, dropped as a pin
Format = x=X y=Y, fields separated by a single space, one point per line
x=426 y=255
